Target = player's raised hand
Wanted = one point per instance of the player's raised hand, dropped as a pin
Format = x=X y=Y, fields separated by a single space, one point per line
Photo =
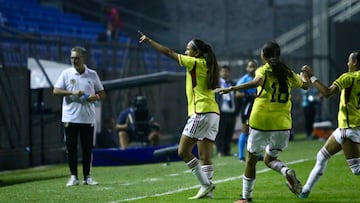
x=307 y=69
x=143 y=38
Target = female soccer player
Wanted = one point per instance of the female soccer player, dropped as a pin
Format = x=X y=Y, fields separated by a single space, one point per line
x=270 y=118
x=347 y=135
x=202 y=76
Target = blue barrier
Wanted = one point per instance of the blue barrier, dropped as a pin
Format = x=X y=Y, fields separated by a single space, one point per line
x=134 y=155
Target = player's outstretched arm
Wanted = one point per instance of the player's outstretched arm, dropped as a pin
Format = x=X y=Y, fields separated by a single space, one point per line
x=159 y=47
x=251 y=84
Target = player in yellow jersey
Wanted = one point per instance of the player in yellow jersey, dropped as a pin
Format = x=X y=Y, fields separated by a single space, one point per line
x=347 y=135
x=270 y=118
x=202 y=76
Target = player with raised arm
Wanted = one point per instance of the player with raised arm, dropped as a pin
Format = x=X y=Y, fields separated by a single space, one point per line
x=270 y=119
x=202 y=76
x=347 y=135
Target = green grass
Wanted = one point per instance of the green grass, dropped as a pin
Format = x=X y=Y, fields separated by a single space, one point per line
x=152 y=182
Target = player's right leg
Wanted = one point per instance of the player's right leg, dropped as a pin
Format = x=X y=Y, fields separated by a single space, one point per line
x=255 y=142
x=330 y=148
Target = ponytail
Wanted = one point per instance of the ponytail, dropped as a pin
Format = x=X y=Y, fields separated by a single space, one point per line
x=211 y=62
x=271 y=52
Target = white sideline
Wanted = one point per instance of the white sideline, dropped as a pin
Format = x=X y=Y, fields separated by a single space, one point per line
x=196 y=186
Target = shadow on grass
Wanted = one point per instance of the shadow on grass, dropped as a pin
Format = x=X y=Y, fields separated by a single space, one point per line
x=14 y=181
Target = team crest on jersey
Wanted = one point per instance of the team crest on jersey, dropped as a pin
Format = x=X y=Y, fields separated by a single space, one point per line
x=72 y=81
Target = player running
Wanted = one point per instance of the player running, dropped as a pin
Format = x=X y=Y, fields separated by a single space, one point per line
x=347 y=135
x=270 y=119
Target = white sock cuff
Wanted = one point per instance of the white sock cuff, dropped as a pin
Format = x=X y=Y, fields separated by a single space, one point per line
x=283 y=170
x=354 y=165
x=247 y=179
x=193 y=163
x=207 y=168
x=324 y=152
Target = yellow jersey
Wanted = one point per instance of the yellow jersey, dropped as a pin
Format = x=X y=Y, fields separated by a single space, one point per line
x=272 y=109
x=200 y=98
x=349 y=106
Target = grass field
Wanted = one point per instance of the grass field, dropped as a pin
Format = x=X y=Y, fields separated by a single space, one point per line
x=174 y=183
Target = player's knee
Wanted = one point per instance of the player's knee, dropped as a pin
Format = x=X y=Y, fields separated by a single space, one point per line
x=251 y=159
x=272 y=152
x=268 y=160
x=184 y=155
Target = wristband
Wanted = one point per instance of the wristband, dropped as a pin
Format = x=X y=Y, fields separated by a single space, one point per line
x=313 y=79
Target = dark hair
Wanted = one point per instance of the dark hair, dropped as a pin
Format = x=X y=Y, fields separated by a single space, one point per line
x=211 y=61
x=139 y=102
x=271 y=53
x=225 y=67
x=79 y=49
x=253 y=61
x=356 y=56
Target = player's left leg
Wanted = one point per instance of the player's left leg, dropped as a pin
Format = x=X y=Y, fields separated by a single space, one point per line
x=352 y=153
x=279 y=141
x=205 y=148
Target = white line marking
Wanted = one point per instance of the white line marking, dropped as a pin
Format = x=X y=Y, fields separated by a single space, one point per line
x=196 y=186
x=173 y=174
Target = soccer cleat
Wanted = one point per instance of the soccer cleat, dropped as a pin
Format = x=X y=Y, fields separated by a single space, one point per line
x=210 y=195
x=72 y=181
x=292 y=182
x=303 y=195
x=244 y=200
x=203 y=191
x=90 y=181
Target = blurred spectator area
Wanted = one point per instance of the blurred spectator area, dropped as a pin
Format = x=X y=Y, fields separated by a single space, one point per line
x=46 y=32
x=31 y=17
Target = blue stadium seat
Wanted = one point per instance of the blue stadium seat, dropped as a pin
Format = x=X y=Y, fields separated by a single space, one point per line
x=41 y=20
x=15 y=54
